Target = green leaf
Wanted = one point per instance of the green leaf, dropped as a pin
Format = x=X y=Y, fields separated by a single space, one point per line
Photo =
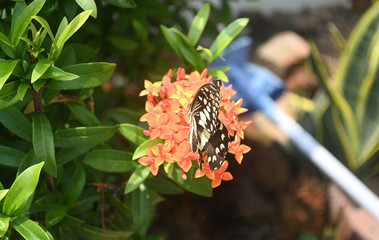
x=3 y=193
x=24 y=19
x=22 y=188
x=6 y=69
x=227 y=35
x=88 y=5
x=55 y=214
x=40 y=68
x=200 y=186
x=141 y=209
x=90 y=75
x=188 y=51
x=8 y=95
x=22 y=89
x=29 y=229
x=83 y=136
x=122 y=43
x=120 y=115
x=133 y=133
x=10 y=157
x=348 y=121
x=141 y=27
x=172 y=40
x=46 y=25
x=198 y=24
x=72 y=27
x=43 y=143
x=4 y=224
x=219 y=72
x=142 y=149
x=16 y=122
x=28 y=160
x=122 y=3
x=82 y=114
x=108 y=160
x=58 y=74
x=39 y=84
x=5 y=40
x=163 y=186
x=137 y=178
x=75 y=185
x=66 y=155
x=93 y=233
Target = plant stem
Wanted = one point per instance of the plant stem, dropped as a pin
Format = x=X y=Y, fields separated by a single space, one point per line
x=37 y=100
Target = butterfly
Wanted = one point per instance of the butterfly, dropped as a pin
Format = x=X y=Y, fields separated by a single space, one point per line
x=207 y=133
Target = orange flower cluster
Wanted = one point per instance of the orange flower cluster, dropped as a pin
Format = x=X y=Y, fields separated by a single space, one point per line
x=167 y=117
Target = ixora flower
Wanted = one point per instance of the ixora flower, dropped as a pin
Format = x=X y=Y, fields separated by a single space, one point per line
x=167 y=108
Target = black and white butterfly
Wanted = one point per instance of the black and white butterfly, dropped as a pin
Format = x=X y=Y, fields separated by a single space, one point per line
x=207 y=133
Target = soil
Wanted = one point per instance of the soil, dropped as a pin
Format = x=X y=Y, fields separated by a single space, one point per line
x=275 y=193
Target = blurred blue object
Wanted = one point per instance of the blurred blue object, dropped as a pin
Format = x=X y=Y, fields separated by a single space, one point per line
x=249 y=80
x=259 y=88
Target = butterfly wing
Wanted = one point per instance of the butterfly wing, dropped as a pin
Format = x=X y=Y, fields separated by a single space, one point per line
x=217 y=147
x=207 y=132
x=203 y=115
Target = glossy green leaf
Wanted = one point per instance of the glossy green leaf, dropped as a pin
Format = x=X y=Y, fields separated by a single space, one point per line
x=16 y=122
x=137 y=178
x=62 y=26
x=90 y=75
x=227 y=35
x=142 y=149
x=39 y=84
x=219 y=72
x=46 y=25
x=55 y=214
x=4 y=224
x=188 y=51
x=109 y=160
x=133 y=133
x=3 y=193
x=29 y=229
x=21 y=189
x=75 y=185
x=22 y=89
x=72 y=27
x=40 y=68
x=58 y=74
x=5 y=40
x=93 y=233
x=88 y=5
x=8 y=95
x=24 y=19
x=28 y=161
x=141 y=209
x=83 y=136
x=198 y=24
x=86 y=117
x=163 y=186
x=6 y=69
x=10 y=157
x=43 y=143
x=172 y=40
x=66 y=155
x=200 y=186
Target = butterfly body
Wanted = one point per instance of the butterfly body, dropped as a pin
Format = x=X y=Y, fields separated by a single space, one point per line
x=207 y=133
